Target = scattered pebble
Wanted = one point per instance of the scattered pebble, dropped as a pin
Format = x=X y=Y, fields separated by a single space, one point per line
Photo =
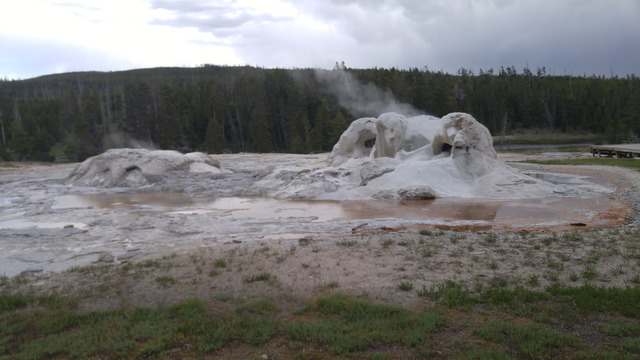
x=106 y=258
x=33 y=270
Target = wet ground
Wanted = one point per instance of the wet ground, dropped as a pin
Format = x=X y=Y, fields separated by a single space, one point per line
x=494 y=214
x=47 y=226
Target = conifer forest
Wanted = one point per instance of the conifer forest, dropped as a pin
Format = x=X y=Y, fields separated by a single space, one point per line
x=215 y=109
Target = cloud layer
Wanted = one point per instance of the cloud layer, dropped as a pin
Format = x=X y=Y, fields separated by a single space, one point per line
x=567 y=37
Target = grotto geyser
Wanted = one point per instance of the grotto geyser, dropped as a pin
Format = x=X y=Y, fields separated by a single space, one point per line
x=419 y=157
x=388 y=157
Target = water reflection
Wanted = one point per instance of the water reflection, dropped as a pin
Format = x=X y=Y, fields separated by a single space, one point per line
x=527 y=211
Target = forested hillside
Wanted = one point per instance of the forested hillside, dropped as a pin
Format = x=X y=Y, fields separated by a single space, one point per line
x=68 y=117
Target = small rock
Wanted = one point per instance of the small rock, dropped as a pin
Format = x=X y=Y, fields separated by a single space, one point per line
x=35 y=269
x=237 y=241
x=264 y=356
x=69 y=226
x=359 y=226
x=106 y=258
x=126 y=256
x=416 y=192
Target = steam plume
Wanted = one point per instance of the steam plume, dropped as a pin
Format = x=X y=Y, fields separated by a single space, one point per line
x=118 y=139
x=362 y=99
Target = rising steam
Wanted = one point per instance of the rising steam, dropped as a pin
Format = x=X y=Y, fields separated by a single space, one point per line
x=117 y=139
x=362 y=99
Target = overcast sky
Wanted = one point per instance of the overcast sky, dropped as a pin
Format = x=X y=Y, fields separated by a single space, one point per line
x=576 y=37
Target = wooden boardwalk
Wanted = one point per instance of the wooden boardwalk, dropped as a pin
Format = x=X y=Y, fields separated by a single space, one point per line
x=619 y=150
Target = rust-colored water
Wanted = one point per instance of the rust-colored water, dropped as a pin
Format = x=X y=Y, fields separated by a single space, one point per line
x=555 y=214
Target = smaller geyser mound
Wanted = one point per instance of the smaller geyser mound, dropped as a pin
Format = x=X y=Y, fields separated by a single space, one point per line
x=139 y=167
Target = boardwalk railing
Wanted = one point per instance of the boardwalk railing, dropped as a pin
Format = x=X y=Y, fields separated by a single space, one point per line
x=620 y=150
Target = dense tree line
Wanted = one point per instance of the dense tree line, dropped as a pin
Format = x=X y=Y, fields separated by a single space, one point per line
x=231 y=109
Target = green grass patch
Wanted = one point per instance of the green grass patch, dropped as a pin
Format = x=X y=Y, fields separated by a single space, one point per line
x=583 y=299
x=12 y=302
x=262 y=307
x=476 y=352
x=132 y=333
x=531 y=341
x=559 y=302
x=590 y=299
x=452 y=294
x=630 y=345
x=492 y=322
x=346 y=325
x=619 y=328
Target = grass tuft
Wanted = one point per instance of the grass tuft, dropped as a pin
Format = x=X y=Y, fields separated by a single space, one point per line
x=405 y=286
x=346 y=243
x=448 y=293
x=220 y=263
x=166 y=281
x=531 y=341
x=12 y=302
x=347 y=325
x=259 y=277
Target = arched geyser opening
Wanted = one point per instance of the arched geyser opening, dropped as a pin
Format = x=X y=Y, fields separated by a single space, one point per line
x=132 y=169
x=446 y=147
x=366 y=140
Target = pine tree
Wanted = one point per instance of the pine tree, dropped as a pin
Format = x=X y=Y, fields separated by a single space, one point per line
x=214 y=141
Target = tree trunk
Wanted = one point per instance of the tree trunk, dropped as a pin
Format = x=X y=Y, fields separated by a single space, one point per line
x=4 y=139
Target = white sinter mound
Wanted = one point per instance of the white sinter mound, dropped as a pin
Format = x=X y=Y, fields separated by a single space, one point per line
x=139 y=167
x=389 y=157
x=421 y=157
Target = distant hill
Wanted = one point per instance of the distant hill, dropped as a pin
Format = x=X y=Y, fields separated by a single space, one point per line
x=216 y=109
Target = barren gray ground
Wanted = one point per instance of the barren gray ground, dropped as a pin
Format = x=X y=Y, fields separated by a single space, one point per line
x=308 y=262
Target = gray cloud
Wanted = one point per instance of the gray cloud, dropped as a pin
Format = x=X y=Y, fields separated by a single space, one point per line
x=27 y=57
x=209 y=23
x=207 y=16
x=570 y=36
x=575 y=37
